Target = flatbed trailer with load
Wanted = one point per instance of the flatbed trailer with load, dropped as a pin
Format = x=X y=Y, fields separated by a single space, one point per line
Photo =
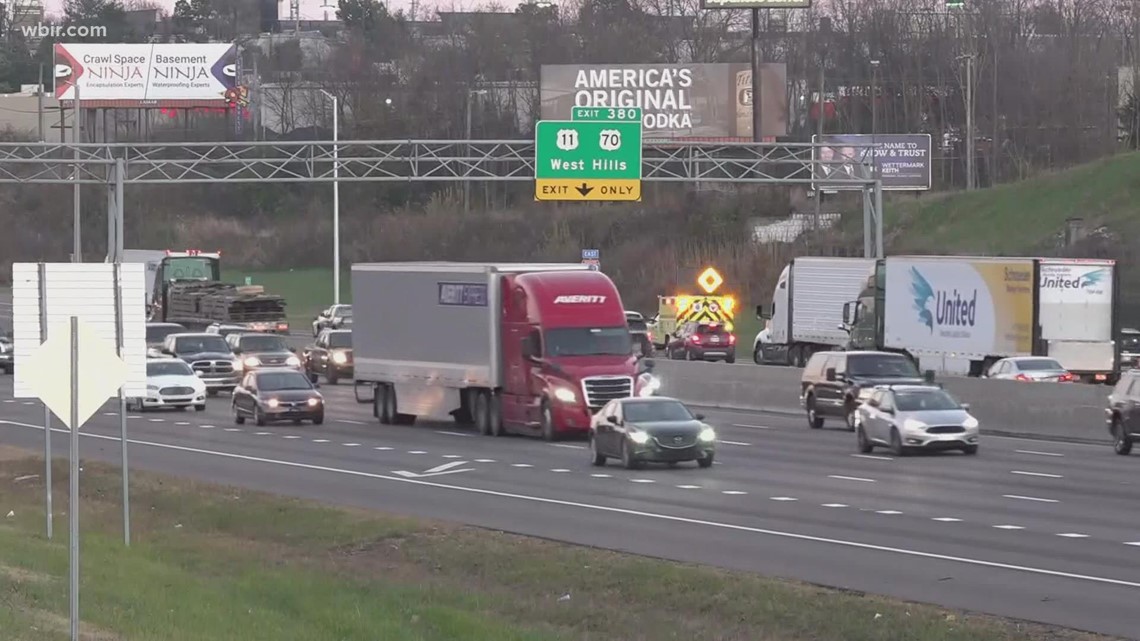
x=529 y=348
x=188 y=290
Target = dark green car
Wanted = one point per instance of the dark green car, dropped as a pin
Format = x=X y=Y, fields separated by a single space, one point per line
x=654 y=429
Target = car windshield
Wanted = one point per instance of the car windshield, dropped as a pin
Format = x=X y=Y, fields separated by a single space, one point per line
x=168 y=368
x=280 y=381
x=1130 y=342
x=1038 y=364
x=712 y=330
x=637 y=325
x=344 y=312
x=925 y=400
x=199 y=344
x=158 y=333
x=340 y=340
x=588 y=341
x=263 y=343
x=655 y=411
x=189 y=269
x=882 y=366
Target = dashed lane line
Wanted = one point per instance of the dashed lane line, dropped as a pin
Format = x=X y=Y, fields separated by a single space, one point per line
x=785 y=499
x=688 y=487
x=521 y=465
x=642 y=481
x=1037 y=453
x=1073 y=535
x=383 y=448
x=559 y=470
x=157 y=420
x=834 y=505
x=1009 y=527
x=484 y=460
x=350 y=422
x=872 y=457
x=451 y=456
x=752 y=427
x=351 y=444
x=232 y=429
x=946 y=519
x=450 y=433
x=602 y=476
x=568 y=446
x=263 y=434
x=1029 y=498
x=734 y=492
x=851 y=478
x=740 y=443
x=888 y=512
x=1038 y=474
x=416 y=452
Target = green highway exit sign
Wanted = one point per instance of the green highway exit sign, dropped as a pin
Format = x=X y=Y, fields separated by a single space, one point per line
x=595 y=157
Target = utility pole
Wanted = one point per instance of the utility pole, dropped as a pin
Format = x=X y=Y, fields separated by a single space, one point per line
x=874 y=117
x=824 y=30
x=970 y=175
x=757 y=61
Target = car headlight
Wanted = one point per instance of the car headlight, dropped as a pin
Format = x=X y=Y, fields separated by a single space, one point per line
x=649 y=385
x=313 y=402
x=970 y=423
x=272 y=402
x=912 y=424
x=707 y=435
x=251 y=361
x=641 y=438
x=293 y=361
x=237 y=364
x=340 y=358
x=564 y=394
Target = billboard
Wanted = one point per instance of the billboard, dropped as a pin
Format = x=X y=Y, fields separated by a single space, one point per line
x=755 y=4
x=709 y=101
x=964 y=306
x=903 y=161
x=145 y=75
x=1076 y=299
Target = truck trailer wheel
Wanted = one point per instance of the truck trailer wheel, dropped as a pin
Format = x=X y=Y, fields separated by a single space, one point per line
x=386 y=401
x=483 y=413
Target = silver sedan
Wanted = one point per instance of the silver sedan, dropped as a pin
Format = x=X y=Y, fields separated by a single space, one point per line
x=915 y=417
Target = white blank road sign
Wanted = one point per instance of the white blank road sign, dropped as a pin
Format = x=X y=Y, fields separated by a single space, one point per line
x=85 y=290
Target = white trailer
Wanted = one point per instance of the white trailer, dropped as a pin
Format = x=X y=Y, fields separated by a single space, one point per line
x=150 y=258
x=807 y=308
x=1077 y=315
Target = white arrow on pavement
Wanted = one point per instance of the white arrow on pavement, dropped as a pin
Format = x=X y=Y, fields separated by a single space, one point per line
x=439 y=470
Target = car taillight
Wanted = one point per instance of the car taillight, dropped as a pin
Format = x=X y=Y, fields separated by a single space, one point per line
x=1023 y=377
x=1067 y=377
x=695 y=338
x=732 y=339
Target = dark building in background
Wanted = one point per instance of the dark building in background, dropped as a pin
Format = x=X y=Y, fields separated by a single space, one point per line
x=270 y=18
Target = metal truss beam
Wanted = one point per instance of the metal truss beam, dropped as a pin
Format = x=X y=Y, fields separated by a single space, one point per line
x=395 y=160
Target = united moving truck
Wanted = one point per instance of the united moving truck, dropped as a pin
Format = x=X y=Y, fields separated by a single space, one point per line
x=977 y=310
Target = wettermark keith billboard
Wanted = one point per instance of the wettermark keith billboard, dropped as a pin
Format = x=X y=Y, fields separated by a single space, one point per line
x=970 y=307
x=710 y=101
x=145 y=75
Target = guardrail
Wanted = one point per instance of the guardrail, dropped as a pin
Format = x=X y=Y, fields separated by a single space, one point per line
x=1057 y=411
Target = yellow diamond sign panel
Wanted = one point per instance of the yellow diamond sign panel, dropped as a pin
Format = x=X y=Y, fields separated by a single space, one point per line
x=709 y=280
x=587 y=190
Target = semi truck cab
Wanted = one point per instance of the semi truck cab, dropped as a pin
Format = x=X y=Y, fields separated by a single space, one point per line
x=190 y=264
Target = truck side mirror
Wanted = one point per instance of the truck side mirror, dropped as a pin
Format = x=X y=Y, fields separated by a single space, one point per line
x=760 y=312
x=648 y=364
x=928 y=376
x=830 y=375
x=612 y=420
x=849 y=313
x=528 y=350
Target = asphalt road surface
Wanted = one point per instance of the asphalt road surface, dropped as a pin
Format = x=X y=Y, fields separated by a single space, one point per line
x=1041 y=531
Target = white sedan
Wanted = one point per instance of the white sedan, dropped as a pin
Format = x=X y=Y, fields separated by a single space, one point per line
x=170 y=383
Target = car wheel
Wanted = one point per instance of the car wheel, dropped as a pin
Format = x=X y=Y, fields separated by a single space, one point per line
x=1121 y=440
x=896 y=443
x=689 y=355
x=669 y=354
x=259 y=417
x=296 y=421
x=319 y=419
x=970 y=450
x=815 y=421
x=211 y=393
x=238 y=418
x=599 y=458
x=730 y=359
x=199 y=408
x=865 y=444
x=627 y=458
x=706 y=461
x=333 y=378
x=757 y=356
x=482 y=413
x=548 y=433
x=313 y=378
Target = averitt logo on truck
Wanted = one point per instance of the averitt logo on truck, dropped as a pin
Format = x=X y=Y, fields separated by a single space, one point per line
x=580 y=299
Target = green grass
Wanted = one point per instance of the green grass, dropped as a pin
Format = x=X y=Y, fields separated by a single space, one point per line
x=1018 y=218
x=212 y=563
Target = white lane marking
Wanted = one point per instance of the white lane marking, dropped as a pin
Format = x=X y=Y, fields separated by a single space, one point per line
x=263 y=434
x=320 y=440
x=834 y=505
x=104 y=413
x=417 y=452
x=157 y=420
x=9 y=400
x=1041 y=474
x=291 y=437
x=734 y=492
x=559 y=470
x=688 y=487
x=754 y=427
x=1036 y=453
x=1073 y=535
x=133 y=416
x=29 y=402
x=873 y=457
x=182 y=423
x=1009 y=527
x=851 y=478
x=447 y=433
x=484 y=460
x=345 y=420
x=616 y=510
x=521 y=465
x=1133 y=543
x=735 y=443
x=383 y=448
x=601 y=476
x=207 y=427
x=783 y=498
x=1029 y=498
x=887 y=512
x=946 y=519
x=351 y=444
x=568 y=446
x=450 y=456
x=232 y=429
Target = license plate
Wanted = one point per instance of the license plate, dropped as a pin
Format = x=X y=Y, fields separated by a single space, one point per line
x=716 y=339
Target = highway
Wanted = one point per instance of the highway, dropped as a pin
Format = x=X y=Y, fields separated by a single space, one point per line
x=1035 y=530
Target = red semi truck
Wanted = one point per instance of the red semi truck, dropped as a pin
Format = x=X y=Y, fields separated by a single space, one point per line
x=528 y=348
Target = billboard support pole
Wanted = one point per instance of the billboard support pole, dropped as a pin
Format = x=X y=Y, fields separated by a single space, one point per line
x=757 y=61
x=879 y=250
x=76 y=133
x=42 y=269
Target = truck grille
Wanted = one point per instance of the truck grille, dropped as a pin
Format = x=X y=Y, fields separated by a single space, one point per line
x=946 y=429
x=177 y=391
x=273 y=360
x=213 y=367
x=600 y=390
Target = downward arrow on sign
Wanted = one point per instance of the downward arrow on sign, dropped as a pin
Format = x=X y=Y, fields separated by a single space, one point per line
x=446 y=468
x=584 y=189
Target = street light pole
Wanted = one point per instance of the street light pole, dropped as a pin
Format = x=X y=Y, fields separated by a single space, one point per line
x=874 y=116
x=471 y=93
x=336 y=196
x=970 y=138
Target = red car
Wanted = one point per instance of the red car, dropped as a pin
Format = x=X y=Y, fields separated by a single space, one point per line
x=702 y=342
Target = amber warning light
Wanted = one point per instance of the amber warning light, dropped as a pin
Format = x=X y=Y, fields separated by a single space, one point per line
x=710 y=280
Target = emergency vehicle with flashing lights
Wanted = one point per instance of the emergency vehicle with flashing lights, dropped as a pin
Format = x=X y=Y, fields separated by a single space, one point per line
x=535 y=349
x=188 y=290
x=675 y=312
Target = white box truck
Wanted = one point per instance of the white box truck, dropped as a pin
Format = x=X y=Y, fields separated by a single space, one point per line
x=806 y=315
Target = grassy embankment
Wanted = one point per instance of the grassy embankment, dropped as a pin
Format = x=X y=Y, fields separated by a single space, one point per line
x=212 y=563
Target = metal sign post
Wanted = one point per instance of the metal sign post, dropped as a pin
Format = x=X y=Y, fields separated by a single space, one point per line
x=47 y=412
x=73 y=482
